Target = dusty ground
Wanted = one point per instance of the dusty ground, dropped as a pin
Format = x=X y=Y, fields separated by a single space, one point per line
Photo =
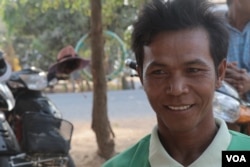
x=127 y=131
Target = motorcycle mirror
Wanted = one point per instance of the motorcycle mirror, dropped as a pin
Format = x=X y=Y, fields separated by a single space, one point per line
x=226 y=103
x=5 y=68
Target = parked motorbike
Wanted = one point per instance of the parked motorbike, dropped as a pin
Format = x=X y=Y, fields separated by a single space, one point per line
x=42 y=134
x=227 y=104
x=8 y=142
x=10 y=152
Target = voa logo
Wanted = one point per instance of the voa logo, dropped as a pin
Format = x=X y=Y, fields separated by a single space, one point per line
x=236 y=158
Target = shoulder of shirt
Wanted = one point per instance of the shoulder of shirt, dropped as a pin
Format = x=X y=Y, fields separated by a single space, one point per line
x=239 y=141
x=125 y=158
x=241 y=135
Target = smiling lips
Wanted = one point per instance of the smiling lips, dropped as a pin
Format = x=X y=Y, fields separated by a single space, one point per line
x=179 y=108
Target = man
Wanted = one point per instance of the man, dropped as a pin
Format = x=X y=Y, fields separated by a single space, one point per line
x=237 y=74
x=180 y=49
x=238 y=23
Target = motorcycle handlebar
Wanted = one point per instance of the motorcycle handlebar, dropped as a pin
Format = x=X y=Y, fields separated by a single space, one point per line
x=3 y=64
x=131 y=64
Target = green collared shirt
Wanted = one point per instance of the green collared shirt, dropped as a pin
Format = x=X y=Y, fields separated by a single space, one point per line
x=149 y=152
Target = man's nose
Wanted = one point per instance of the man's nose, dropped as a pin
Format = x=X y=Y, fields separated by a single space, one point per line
x=176 y=86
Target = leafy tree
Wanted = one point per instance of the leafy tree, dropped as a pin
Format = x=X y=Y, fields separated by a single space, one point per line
x=39 y=29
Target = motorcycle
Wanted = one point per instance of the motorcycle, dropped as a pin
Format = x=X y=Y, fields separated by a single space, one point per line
x=42 y=134
x=11 y=154
x=227 y=104
x=8 y=142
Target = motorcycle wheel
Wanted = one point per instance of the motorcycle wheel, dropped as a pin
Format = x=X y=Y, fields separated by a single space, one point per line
x=71 y=162
x=4 y=161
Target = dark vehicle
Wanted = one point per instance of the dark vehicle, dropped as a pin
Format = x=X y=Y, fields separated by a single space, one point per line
x=9 y=146
x=37 y=123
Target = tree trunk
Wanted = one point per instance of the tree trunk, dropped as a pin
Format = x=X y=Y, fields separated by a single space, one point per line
x=100 y=122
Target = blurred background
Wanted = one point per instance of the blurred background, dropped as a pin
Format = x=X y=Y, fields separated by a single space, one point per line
x=33 y=31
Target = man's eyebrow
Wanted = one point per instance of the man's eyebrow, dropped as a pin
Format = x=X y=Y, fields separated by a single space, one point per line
x=196 y=62
x=192 y=62
x=155 y=63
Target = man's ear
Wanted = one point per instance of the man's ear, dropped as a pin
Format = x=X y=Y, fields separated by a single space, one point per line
x=221 y=73
x=139 y=72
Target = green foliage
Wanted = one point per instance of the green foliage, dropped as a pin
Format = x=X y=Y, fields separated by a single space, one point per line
x=39 y=29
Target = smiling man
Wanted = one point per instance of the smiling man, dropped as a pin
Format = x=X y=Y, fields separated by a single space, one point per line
x=180 y=48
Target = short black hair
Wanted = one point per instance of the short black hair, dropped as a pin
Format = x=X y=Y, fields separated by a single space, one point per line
x=159 y=16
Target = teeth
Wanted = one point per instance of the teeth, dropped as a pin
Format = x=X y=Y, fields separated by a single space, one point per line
x=179 y=107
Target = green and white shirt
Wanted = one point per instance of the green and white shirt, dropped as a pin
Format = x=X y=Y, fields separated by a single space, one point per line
x=149 y=152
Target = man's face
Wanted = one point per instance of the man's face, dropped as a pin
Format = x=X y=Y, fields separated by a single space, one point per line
x=179 y=79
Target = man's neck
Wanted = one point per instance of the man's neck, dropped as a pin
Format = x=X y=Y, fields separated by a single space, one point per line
x=237 y=19
x=187 y=148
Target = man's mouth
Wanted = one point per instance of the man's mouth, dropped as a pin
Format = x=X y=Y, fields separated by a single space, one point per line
x=179 y=108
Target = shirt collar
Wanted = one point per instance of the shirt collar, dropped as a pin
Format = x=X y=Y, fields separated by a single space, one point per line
x=158 y=156
x=245 y=29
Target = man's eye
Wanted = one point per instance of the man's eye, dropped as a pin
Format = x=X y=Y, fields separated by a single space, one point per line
x=193 y=70
x=158 y=72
